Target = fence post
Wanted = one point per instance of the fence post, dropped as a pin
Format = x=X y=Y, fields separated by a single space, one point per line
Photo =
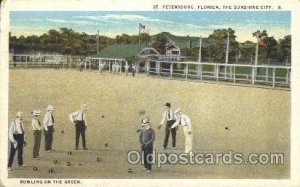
x=234 y=74
x=274 y=69
x=201 y=71
x=253 y=74
x=217 y=72
x=109 y=66
x=267 y=74
x=287 y=76
x=171 y=69
x=186 y=70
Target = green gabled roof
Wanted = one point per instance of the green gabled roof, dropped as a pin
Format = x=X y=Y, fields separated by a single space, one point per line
x=184 y=41
x=120 y=50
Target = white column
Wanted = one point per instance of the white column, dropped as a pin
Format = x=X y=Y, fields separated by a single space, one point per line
x=200 y=50
x=227 y=49
x=256 y=51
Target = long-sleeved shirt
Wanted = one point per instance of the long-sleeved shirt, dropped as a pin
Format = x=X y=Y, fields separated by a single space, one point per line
x=168 y=115
x=183 y=121
x=48 y=120
x=16 y=127
x=147 y=136
x=78 y=116
x=36 y=125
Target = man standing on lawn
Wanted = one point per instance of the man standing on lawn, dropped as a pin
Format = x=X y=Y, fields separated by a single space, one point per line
x=79 y=119
x=49 y=128
x=16 y=136
x=146 y=138
x=169 y=118
x=184 y=121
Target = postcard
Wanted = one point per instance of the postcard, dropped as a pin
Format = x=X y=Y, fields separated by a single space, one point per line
x=149 y=93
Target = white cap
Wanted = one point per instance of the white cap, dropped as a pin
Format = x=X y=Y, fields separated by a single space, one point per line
x=178 y=110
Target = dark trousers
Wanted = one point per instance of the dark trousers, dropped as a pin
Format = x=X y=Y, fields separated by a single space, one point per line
x=80 y=130
x=148 y=150
x=37 y=136
x=48 y=138
x=133 y=73
x=20 y=140
x=167 y=133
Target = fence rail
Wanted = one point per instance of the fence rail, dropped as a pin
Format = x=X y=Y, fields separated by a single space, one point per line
x=268 y=75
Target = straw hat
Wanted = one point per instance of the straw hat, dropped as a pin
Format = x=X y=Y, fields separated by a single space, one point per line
x=49 y=107
x=84 y=106
x=36 y=113
x=19 y=114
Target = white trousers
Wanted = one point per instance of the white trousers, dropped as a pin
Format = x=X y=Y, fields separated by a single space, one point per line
x=188 y=140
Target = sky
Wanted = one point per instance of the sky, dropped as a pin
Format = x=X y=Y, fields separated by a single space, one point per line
x=182 y=23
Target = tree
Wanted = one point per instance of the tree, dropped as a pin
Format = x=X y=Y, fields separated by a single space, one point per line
x=159 y=43
x=217 y=44
x=259 y=37
x=284 y=49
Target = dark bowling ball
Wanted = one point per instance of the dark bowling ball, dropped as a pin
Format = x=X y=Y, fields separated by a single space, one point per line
x=102 y=116
x=106 y=144
x=130 y=170
x=226 y=128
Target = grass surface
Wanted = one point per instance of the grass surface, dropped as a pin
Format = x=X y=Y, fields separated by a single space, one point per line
x=258 y=119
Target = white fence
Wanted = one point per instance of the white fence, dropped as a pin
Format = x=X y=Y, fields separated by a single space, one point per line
x=269 y=75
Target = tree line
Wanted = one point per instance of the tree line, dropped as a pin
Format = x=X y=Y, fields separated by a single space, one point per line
x=66 y=41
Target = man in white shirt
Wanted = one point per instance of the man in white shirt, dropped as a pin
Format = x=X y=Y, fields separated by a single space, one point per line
x=37 y=133
x=126 y=69
x=79 y=118
x=48 y=128
x=169 y=118
x=17 y=139
x=184 y=121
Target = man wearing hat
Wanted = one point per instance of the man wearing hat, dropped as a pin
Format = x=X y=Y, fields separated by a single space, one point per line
x=169 y=118
x=146 y=138
x=184 y=121
x=79 y=118
x=48 y=128
x=37 y=132
x=17 y=139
